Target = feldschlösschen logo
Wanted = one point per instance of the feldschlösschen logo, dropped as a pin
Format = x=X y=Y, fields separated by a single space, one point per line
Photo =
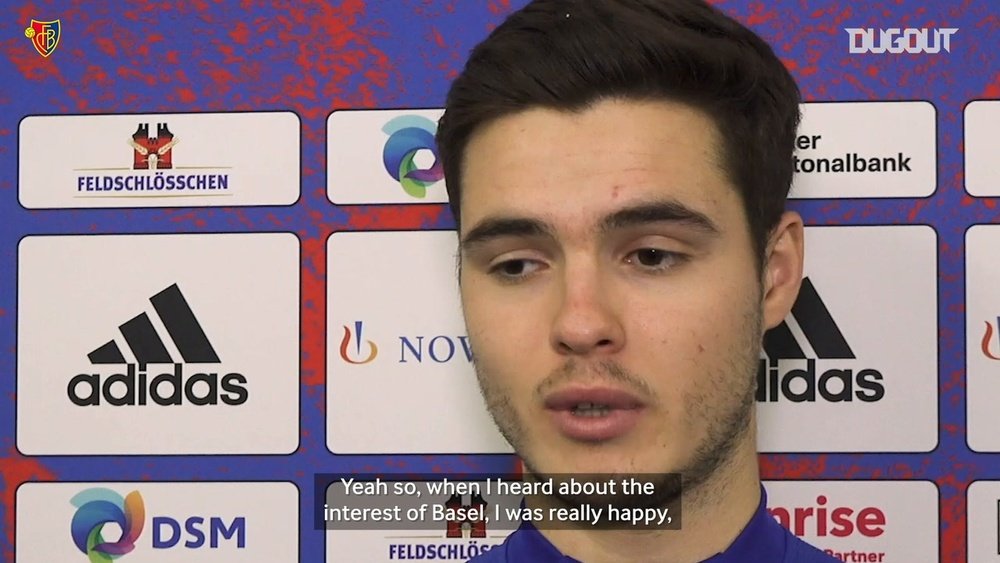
x=408 y=135
x=152 y=171
x=44 y=36
x=134 y=387
x=97 y=507
x=828 y=344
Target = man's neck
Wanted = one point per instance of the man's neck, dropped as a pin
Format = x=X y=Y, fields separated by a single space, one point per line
x=713 y=515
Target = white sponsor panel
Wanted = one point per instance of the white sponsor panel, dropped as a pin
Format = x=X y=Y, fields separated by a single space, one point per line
x=883 y=521
x=982 y=332
x=859 y=347
x=189 y=522
x=407 y=378
x=159 y=160
x=866 y=149
x=383 y=156
x=156 y=344
x=982 y=121
x=983 y=520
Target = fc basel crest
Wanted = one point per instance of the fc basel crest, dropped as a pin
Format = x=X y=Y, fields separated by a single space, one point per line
x=44 y=36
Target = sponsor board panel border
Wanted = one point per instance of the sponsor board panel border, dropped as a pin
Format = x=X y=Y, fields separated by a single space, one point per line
x=326 y=162
x=329 y=356
x=965 y=153
x=299 y=324
x=17 y=161
x=937 y=491
x=937 y=150
x=298 y=497
x=964 y=328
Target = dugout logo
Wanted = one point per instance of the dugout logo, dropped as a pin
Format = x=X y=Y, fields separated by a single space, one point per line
x=99 y=507
x=991 y=340
x=836 y=383
x=134 y=384
x=896 y=40
x=44 y=36
x=408 y=136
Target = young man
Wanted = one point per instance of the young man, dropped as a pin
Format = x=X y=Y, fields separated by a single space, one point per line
x=618 y=171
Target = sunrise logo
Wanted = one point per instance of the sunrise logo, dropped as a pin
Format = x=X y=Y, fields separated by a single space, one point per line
x=408 y=135
x=97 y=507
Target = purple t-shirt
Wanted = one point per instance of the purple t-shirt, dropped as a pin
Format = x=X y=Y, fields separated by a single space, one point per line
x=763 y=540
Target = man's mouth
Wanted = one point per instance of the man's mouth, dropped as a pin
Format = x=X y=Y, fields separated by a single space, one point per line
x=593 y=414
x=590 y=409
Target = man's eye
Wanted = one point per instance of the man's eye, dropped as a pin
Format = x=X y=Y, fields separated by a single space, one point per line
x=515 y=268
x=653 y=258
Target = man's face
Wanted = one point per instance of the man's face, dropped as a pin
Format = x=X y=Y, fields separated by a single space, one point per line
x=610 y=289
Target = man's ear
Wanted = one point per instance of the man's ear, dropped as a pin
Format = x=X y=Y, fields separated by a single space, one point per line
x=782 y=272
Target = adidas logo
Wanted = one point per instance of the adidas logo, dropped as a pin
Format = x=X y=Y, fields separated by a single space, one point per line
x=134 y=386
x=826 y=342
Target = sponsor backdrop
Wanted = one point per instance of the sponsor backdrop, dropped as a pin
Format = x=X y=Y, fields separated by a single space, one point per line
x=226 y=265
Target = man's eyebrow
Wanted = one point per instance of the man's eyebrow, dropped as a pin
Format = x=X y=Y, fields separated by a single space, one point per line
x=493 y=228
x=669 y=211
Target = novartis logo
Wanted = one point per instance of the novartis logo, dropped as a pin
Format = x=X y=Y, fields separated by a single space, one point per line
x=897 y=40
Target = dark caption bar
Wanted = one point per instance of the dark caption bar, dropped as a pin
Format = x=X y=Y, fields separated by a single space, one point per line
x=466 y=505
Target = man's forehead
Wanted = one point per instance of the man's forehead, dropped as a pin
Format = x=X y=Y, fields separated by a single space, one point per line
x=543 y=158
x=625 y=123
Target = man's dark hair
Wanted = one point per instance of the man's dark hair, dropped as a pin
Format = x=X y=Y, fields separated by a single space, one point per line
x=569 y=54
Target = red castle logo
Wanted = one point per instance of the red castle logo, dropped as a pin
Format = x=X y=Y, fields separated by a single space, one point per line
x=477 y=528
x=152 y=153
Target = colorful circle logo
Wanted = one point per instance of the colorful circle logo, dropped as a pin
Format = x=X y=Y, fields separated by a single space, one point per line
x=97 y=507
x=408 y=135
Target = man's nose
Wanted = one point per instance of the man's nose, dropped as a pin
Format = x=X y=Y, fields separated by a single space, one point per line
x=587 y=320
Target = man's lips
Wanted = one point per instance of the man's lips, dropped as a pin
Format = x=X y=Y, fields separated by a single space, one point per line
x=593 y=414
x=571 y=398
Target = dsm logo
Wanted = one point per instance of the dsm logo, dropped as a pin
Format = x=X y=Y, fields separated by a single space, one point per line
x=98 y=507
x=409 y=136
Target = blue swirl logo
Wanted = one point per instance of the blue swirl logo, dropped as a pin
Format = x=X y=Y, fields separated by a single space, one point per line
x=97 y=507
x=409 y=134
